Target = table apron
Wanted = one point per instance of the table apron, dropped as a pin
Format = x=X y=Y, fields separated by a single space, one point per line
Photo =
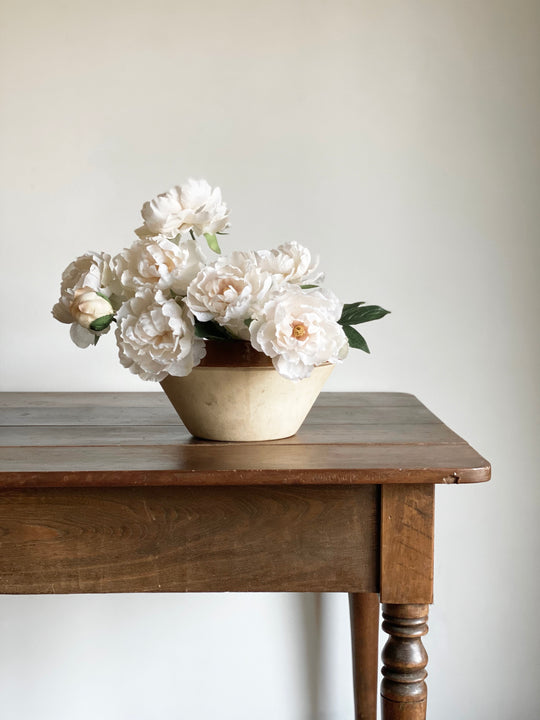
x=190 y=539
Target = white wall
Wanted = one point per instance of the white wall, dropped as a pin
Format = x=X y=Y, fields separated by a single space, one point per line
x=400 y=140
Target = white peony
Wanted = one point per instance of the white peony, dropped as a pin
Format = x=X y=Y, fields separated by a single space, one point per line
x=163 y=214
x=193 y=206
x=230 y=291
x=93 y=273
x=156 y=336
x=158 y=263
x=292 y=262
x=298 y=329
x=205 y=210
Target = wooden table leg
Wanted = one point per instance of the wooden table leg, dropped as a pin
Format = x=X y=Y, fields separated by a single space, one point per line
x=403 y=688
x=364 y=609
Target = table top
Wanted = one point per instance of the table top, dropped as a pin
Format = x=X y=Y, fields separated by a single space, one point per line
x=133 y=439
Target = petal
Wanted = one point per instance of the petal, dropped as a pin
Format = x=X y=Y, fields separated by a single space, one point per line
x=61 y=313
x=81 y=336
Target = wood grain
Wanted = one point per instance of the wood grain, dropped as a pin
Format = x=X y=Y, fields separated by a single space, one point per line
x=309 y=434
x=407 y=543
x=364 y=611
x=403 y=689
x=160 y=414
x=198 y=539
x=142 y=409
x=238 y=464
x=156 y=398
x=122 y=439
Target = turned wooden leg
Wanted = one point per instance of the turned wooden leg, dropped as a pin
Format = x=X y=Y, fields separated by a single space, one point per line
x=403 y=688
x=364 y=609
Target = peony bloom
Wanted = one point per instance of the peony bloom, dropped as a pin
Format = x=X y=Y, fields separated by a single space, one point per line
x=156 y=336
x=93 y=273
x=230 y=291
x=163 y=214
x=291 y=262
x=193 y=206
x=205 y=210
x=88 y=306
x=158 y=263
x=298 y=329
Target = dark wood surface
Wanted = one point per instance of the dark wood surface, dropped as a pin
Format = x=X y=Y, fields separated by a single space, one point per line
x=364 y=611
x=407 y=536
x=403 y=688
x=189 y=539
x=119 y=439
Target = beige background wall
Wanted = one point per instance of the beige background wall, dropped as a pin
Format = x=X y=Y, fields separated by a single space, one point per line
x=401 y=141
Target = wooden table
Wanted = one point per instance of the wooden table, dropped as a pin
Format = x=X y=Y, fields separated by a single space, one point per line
x=106 y=492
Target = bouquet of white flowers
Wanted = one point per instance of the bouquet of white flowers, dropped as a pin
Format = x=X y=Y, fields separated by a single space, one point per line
x=166 y=298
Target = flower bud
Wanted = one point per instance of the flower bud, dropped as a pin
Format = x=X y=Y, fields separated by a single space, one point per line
x=88 y=306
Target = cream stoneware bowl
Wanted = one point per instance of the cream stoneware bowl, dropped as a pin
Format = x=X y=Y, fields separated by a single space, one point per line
x=235 y=394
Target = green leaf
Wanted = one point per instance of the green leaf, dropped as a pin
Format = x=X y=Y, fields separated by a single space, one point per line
x=210 y=330
x=102 y=295
x=248 y=321
x=348 y=308
x=354 y=315
x=212 y=241
x=355 y=339
x=101 y=323
x=307 y=287
x=96 y=339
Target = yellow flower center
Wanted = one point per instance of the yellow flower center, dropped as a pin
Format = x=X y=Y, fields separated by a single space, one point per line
x=299 y=331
